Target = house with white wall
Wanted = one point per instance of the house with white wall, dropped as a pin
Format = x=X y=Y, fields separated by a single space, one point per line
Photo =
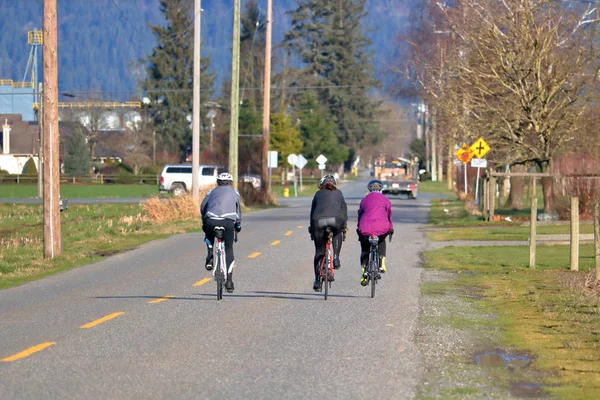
x=18 y=143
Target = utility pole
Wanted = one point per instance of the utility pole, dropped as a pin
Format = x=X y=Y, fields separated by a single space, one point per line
x=196 y=105
x=267 y=100
x=41 y=148
x=235 y=95
x=52 y=235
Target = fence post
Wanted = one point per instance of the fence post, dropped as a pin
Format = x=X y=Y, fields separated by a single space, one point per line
x=533 y=233
x=484 y=196
x=574 y=234
x=101 y=179
x=492 y=196
x=18 y=178
x=597 y=236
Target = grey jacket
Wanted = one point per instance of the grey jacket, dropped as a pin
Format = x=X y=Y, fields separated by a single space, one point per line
x=222 y=202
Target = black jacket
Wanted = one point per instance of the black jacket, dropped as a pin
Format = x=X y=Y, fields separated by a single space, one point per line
x=329 y=203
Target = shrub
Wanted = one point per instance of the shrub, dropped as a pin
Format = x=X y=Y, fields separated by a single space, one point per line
x=172 y=209
x=30 y=168
x=585 y=188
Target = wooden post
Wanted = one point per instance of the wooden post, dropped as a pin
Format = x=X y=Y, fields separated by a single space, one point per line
x=484 y=196
x=196 y=105
x=533 y=233
x=52 y=235
x=574 y=234
x=597 y=237
x=266 y=182
x=235 y=95
x=492 y=196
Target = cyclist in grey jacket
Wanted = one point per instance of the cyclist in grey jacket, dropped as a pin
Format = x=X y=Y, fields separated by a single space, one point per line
x=221 y=207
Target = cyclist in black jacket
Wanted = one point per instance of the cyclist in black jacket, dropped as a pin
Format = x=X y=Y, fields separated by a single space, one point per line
x=329 y=206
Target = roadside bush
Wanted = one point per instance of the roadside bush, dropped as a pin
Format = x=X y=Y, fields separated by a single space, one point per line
x=252 y=197
x=585 y=188
x=172 y=209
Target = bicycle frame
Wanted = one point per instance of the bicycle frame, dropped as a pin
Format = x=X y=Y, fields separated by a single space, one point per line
x=373 y=266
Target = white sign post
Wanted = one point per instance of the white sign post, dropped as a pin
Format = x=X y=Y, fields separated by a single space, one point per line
x=293 y=159
x=478 y=163
x=271 y=163
x=321 y=160
x=301 y=163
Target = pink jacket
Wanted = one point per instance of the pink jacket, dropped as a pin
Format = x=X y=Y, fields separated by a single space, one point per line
x=375 y=214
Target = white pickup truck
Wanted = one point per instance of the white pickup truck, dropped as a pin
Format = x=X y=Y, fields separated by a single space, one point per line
x=177 y=178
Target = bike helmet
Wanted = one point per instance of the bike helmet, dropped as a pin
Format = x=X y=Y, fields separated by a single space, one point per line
x=375 y=186
x=224 y=178
x=327 y=179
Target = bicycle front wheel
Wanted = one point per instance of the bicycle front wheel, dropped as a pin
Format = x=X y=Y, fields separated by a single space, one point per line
x=219 y=277
x=325 y=276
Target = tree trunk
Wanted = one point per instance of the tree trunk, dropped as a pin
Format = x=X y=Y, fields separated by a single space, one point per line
x=548 y=191
x=517 y=184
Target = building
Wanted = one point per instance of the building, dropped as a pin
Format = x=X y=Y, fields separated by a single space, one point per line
x=19 y=141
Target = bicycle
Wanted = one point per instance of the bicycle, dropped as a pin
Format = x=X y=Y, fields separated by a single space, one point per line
x=372 y=270
x=326 y=267
x=220 y=266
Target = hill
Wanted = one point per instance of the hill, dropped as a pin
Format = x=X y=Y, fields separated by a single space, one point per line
x=101 y=42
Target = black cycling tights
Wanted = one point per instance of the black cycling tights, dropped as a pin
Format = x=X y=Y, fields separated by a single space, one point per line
x=365 y=248
x=320 y=239
x=209 y=229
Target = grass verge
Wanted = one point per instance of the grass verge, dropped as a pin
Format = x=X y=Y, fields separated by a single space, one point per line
x=501 y=233
x=89 y=233
x=435 y=188
x=81 y=191
x=550 y=313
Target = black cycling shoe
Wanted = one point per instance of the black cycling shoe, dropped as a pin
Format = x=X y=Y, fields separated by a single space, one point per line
x=229 y=286
x=336 y=263
x=317 y=285
x=209 y=262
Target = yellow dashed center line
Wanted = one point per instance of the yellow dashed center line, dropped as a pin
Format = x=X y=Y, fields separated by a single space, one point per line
x=28 y=352
x=160 y=300
x=275 y=243
x=300 y=227
x=202 y=282
x=254 y=255
x=101 y=320
x=288 y=233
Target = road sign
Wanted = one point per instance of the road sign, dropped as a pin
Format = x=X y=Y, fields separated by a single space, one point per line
x=301 y=161
x=272 y=160
x=321 y=166
x=478 y=163
x=292 y=159
x=464 y=154
x=480 y=148
x=321 y=159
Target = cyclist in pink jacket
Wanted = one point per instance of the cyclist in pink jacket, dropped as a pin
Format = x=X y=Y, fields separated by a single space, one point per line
x=374 y=218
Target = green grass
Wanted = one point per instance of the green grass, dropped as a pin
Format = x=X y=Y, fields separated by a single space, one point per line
x=81 y=191
x=501 y=233
x=88 y=234
x=309 y=189
x=435 y=188
x=545 y=312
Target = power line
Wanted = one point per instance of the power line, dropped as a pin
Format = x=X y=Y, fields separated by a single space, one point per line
x=125 y=18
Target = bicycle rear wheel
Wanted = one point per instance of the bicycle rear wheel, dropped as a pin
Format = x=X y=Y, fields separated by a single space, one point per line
x=373 y=276
x=219 y=277
x=325 y=275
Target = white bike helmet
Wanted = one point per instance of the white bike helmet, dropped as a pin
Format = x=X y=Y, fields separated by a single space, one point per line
x=224 y=178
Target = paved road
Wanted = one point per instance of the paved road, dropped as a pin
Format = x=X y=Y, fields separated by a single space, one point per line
x=274 y=338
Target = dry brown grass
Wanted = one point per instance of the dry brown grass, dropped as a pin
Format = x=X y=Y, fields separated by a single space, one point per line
x=178 y=208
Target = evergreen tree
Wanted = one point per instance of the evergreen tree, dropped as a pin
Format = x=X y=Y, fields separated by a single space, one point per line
x=77 y=161
x=252 y=52
x=285 y=138
x=30 y=168
x=170 y=76
x=328 y=37
x=317 y=133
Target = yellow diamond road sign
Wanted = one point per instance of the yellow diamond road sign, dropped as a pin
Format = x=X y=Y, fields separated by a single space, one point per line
x=480 y=148
x=464 y=154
